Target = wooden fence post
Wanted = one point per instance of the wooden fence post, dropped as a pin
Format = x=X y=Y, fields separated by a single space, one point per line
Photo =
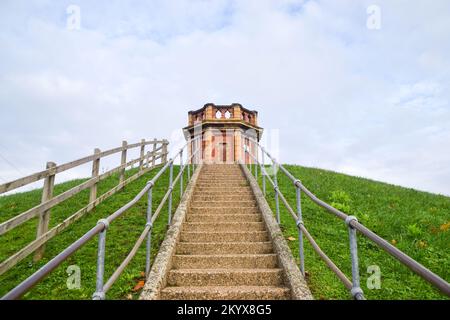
x=154 y=153
x=95 y=172
x=123 y=161
x=164 y=150
x=44 y=217
x=141 y=163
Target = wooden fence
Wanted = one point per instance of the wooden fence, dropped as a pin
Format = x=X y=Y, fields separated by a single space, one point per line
x=147 y=161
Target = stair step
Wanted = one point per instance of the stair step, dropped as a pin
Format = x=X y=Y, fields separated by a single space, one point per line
x=252 y=236
x=223 y=197
x=235 y=177
x=225 y=277
x=223 y=189
x=223 y=218
x=223 y=226
x=239 y=183
x=221 y=193
x=227 y=178
x=226 y=293
x=228 y=261
x=224 y=248
x=221 y=173
x=223 y=210
x=224 y=203
x=207 y=168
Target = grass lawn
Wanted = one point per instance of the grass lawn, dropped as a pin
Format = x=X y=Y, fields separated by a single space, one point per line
x=416 y=222
x=121 y=236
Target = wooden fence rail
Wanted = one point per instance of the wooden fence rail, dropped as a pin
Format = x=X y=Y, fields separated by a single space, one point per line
x=147 y=161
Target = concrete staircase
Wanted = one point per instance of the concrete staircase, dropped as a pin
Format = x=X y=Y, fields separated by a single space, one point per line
x=224 y=251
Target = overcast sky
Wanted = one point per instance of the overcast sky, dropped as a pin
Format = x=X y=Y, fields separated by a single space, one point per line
x=339 y=95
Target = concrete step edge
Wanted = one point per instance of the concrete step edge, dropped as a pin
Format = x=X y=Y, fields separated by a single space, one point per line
x=226 y=292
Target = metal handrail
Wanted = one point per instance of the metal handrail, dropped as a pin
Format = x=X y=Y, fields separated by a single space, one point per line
x=101 y=228
x=352 y=224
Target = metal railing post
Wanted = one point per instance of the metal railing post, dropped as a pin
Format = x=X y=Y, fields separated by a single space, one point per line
x=171 y=190
x=356 y=291
x=256 y=161
x=189 y=169
x=252 y=161
x=300 y=232
x=275 y=181
x=181 y=173
x=149 y=236
x=99 y=294
x=263 y=173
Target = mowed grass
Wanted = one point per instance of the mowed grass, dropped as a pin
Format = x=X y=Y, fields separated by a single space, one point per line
x=418 y=223
x=121 y=237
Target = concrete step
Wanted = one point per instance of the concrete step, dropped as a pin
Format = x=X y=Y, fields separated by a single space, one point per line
x=225 y=277
x=223 y=210
x=215 y=184
x=224 y=204
x=224 y=248
x=220 y=168
x=225 y=261
x=223 y=190
x=223 y=172
x=232 y=176
x=223 y=218
x=226 y=293
x=225 y=177
x=247 y=236
x=219 y=192
x=223 y=226
x=223 y=197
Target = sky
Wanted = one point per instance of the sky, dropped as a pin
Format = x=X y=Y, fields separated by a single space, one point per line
x=338 y=85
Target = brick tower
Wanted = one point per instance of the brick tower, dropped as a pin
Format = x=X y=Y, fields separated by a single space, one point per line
x=222 y=128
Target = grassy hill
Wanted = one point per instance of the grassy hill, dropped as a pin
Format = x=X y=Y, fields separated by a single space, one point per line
x=121 y=237
x=416 y=222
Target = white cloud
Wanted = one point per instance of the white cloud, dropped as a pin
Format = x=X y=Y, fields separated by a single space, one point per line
x=372 y=103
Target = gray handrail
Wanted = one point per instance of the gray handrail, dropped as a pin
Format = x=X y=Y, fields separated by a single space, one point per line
x=101 y=228
x=352 y=224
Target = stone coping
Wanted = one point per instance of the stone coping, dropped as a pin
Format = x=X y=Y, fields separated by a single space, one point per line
x=292 y=275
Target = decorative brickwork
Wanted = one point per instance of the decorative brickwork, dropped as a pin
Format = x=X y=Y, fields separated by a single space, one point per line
x=221 y=128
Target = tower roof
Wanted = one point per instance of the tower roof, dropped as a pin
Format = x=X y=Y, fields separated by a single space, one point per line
x=233 y=115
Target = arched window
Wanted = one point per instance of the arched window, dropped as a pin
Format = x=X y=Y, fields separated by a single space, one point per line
x=227 y=114
x=218 y=114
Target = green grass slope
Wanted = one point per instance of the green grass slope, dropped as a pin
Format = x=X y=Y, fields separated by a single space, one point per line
x=418 y=223
x=121 y=237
